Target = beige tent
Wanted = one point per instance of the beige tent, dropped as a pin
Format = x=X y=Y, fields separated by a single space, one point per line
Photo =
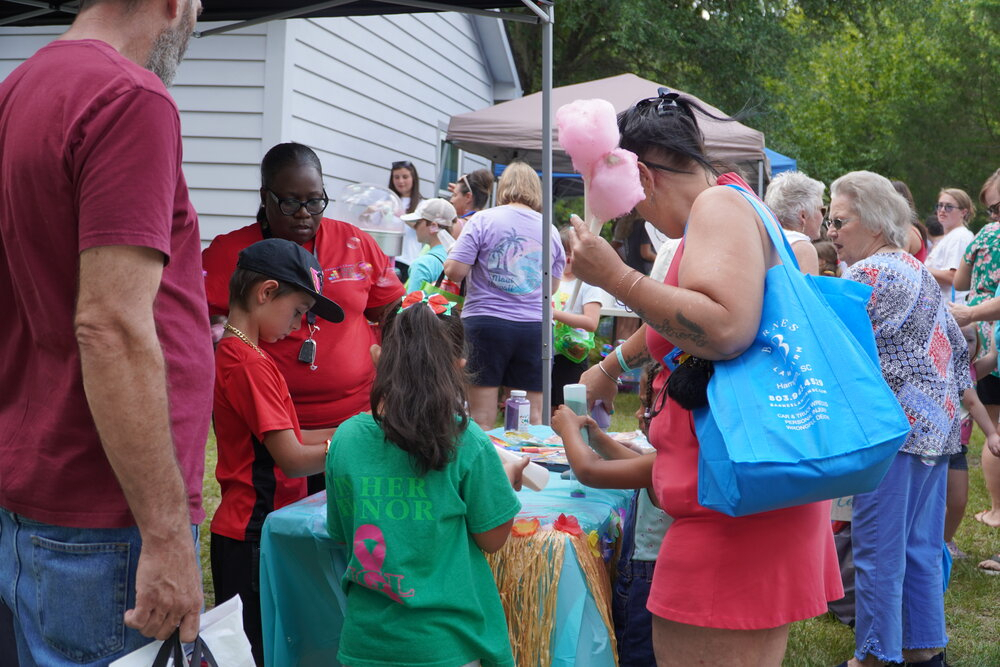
x=513 y=130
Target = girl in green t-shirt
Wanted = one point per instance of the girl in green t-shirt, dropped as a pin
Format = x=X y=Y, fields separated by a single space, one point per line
x=417 y=493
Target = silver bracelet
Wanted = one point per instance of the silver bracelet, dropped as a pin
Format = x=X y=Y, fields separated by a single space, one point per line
x=610 y=376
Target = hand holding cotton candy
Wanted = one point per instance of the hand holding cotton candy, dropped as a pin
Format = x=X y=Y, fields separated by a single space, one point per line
x=614 y=186
x=588 y=129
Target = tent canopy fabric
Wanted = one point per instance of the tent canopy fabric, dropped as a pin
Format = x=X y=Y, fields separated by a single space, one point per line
x=43 y=12
x=779 y=162
x=513 y=130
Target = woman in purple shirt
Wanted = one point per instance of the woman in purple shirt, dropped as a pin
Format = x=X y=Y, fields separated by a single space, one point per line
x=500 y=252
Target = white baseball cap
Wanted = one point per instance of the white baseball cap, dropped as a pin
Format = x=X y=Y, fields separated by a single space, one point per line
x=438 y=211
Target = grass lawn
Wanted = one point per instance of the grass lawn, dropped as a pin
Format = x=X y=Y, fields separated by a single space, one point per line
x=972 y=602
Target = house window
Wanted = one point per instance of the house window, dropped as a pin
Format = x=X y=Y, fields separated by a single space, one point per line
x=449 y=164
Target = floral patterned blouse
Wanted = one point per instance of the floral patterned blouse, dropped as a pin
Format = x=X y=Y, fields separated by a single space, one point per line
x=925 y=359
x=983 y=255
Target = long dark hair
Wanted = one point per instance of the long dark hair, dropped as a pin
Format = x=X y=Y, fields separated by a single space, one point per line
x=415 y=196
x=667 y=124
x=418 y=397
x=479 y=183
x=280 y=157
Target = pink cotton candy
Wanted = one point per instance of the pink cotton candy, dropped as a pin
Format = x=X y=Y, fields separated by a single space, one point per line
x=588 y=129
x=614 y=188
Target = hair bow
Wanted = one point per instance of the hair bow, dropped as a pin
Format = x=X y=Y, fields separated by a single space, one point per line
x=437 y=302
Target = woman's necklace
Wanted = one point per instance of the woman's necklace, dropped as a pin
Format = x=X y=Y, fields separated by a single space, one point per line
x=243 y=337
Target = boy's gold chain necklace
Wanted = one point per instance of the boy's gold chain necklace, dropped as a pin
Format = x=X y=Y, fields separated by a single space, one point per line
x=243 y=337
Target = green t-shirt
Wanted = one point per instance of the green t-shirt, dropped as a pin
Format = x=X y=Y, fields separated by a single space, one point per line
x=419 y=589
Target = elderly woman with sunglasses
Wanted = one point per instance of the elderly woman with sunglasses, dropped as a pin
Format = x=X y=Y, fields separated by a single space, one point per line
x=897 y=529
x=724 y=589
x=327 y=366
x=797 y=202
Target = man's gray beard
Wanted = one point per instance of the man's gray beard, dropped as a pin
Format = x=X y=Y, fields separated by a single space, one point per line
x=168 y=50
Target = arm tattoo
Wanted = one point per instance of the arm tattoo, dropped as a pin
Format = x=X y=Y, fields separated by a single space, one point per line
x=685 y=329
x=639 y=359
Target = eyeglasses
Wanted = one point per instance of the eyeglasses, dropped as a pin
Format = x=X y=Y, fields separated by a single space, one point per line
x=291 y=205
x=465 y=180
x=837 y=223
x=947 y=208
x=994 y=209
x=402 y=164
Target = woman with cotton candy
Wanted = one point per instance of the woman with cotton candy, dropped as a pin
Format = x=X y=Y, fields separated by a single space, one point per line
x=722 y=592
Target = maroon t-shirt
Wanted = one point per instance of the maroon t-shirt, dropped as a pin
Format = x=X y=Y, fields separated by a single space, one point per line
x=90 y=155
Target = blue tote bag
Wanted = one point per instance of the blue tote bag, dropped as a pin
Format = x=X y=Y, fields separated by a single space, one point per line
x=804 y=413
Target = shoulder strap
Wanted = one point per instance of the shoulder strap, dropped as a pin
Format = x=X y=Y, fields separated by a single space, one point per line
x=778 y=238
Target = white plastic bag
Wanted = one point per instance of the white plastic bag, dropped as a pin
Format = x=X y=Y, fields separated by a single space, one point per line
x=221 y=631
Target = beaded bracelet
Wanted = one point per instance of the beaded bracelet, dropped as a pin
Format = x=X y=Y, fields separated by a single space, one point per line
x=622 y=278
x=621 y=359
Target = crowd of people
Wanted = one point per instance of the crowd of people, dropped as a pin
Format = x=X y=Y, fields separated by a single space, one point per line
x=330 y=374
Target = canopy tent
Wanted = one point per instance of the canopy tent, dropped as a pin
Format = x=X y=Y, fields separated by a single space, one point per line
x=779 y=162
x=513 y=130
x=43 y=12
x=251 y=12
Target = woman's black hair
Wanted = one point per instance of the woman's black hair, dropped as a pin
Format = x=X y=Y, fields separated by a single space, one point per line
x=415 y=196
x=280 y=157
x=479 y=183
x=418 y=397
x=667 y=125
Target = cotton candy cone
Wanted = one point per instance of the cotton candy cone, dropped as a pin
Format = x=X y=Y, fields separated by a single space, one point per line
x=614 y=186
x=588 y=129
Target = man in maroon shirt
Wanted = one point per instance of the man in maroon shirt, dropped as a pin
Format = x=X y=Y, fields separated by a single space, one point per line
x=106 y=358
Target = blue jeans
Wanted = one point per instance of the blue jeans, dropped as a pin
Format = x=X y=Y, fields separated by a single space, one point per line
x=633 y=622
x=68 y=589
x=897 y=531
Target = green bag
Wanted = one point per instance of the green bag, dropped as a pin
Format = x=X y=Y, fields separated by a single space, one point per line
x=574 y=344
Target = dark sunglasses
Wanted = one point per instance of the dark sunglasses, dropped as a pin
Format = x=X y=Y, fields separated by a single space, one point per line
x=836 y=223
x=947 y=208
x=402 y=164
x=994 y=209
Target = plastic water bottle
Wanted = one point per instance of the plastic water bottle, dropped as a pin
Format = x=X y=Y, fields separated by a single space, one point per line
x=517 y=412
x=575 y=396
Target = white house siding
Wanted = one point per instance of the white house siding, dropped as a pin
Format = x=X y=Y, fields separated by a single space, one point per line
x=363 y=92
x=368 y=91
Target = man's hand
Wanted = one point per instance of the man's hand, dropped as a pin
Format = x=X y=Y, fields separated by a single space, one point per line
x=168 y=590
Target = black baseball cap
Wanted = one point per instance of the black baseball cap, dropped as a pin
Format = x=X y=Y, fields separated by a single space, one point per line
x=291 y=263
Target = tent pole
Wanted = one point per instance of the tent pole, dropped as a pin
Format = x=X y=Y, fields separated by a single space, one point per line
x=547 y=216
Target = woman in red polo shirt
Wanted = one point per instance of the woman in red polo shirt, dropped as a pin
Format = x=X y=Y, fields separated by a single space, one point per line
x=327 y=366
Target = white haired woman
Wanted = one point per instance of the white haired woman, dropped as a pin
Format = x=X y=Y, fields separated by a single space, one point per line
x=897 y=528
x=797 y=201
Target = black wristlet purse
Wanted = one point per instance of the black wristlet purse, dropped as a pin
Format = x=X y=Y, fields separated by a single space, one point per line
x=688 y=381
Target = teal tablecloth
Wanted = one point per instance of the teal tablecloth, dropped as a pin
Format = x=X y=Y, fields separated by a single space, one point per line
x=302 y=603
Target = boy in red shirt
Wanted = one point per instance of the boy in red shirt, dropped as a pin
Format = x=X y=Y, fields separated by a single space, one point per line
x=263 y=455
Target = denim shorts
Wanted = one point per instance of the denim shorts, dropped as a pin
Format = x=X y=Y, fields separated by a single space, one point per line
x=503 y=353
x=633 y=622
x=68 y=589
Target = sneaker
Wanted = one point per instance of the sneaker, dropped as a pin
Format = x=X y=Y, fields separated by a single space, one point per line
x=956 y=553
